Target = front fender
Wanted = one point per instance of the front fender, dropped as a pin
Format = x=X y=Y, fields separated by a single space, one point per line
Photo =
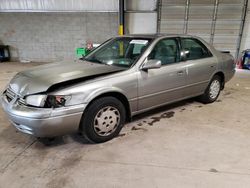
x=98 y=92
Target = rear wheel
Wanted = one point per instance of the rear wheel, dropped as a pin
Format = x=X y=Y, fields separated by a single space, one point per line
x=103 y=119
x=213 y=90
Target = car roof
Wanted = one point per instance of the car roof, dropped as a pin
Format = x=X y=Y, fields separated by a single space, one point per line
x=154 y=36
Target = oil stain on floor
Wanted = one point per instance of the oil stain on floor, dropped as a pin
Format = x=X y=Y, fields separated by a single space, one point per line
x=141 y=125
x=138 y=128
x=162 y=116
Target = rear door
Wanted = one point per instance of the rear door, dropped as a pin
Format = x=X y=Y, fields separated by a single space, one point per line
x=200 y=65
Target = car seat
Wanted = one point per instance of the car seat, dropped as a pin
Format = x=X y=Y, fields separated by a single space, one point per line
x=165 y=54
x=196 y=52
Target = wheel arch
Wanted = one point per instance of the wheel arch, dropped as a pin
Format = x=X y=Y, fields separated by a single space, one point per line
x=118 y=95
x=222 y=76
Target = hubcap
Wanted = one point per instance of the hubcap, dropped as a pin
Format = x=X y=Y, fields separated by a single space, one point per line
x=106 y=121
x=214 y=89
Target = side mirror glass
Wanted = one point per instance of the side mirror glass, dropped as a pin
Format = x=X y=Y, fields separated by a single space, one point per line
x=185 y=54
x=152 y=64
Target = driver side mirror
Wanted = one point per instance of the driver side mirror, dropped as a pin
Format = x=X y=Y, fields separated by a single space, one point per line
x=185 y=54
x=152 y=64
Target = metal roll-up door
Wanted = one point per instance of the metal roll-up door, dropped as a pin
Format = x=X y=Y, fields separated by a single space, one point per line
x=172 y=16
x=219 y=22
x=227 y=27
x=200 y=18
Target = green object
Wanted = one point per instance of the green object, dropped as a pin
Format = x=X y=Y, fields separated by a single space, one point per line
x=81 y=52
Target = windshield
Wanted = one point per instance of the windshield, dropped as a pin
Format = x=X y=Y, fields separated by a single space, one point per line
x=123 y=51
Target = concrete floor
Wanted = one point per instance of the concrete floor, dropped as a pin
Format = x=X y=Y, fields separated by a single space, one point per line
x=194 y=145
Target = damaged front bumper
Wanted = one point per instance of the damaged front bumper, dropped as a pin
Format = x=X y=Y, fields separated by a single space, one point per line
x=43 y=122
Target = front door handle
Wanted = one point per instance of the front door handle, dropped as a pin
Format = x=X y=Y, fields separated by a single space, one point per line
x=180 y=73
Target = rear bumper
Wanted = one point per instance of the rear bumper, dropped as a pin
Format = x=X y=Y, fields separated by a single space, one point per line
x=43 y=122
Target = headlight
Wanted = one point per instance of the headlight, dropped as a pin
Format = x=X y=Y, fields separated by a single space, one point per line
x=55 y=101
x=36 y=100
x=46 y=101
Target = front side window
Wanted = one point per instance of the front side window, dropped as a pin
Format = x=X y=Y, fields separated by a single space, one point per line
x=194 y=49
x=166 y=51
x=122 y=51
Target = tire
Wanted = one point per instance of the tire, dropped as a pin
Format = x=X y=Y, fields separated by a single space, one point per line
x=212 y=92
x=103 y=120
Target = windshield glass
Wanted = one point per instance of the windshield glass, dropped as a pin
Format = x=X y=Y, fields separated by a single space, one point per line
x=123 y=51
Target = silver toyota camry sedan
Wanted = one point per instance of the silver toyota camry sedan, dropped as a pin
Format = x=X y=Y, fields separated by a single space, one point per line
x=124 y=76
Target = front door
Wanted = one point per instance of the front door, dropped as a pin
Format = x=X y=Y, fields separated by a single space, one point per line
x=163 y=85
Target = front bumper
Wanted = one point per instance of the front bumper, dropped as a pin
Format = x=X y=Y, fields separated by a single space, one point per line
x=43 y=122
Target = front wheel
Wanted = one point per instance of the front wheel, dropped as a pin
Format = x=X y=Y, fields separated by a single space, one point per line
x=103 y=119
x=213 y=90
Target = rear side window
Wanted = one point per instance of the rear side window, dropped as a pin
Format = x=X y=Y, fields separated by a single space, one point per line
x=194 y=49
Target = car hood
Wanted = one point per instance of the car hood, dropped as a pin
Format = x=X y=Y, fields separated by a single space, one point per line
x=41 y=78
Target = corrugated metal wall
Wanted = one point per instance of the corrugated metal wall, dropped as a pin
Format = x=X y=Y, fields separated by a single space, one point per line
x=216 y=21
x=58 y=5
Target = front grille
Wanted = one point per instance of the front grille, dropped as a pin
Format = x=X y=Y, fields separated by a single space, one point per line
x=10 y=94
x=21 y=101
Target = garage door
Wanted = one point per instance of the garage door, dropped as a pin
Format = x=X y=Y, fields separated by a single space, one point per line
x=216 y=21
